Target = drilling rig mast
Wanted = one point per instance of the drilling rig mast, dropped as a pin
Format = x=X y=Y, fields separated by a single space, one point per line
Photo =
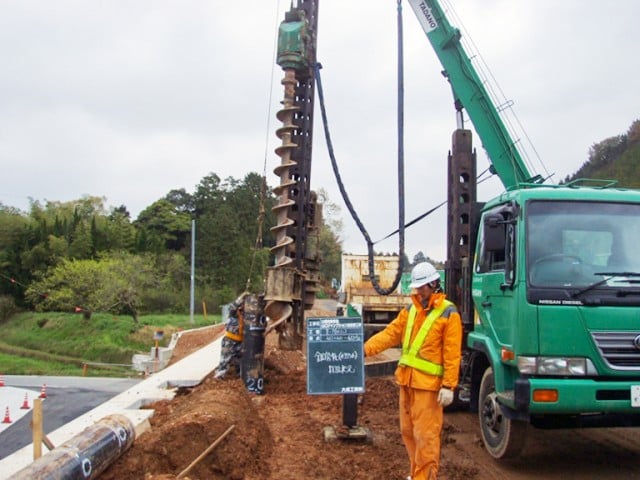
x=293 y=279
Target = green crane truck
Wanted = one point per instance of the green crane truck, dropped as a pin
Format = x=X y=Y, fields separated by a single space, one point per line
x=550 y=296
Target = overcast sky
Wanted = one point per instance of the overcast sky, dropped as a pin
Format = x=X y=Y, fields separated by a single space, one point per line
x=130 y=99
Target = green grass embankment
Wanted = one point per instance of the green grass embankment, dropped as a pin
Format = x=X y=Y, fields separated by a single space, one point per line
x=62 y=343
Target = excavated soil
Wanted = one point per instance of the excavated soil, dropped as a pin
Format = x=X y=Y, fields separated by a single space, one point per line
x=279 y=435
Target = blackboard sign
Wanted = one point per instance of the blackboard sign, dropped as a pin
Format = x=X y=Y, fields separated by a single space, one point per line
x=335 y=355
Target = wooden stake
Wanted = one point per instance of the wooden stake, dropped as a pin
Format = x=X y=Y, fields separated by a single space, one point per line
x=48 y=443
x=37 y=428
x=205 y=453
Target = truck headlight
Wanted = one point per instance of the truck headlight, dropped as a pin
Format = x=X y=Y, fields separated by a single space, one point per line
x=564 y=366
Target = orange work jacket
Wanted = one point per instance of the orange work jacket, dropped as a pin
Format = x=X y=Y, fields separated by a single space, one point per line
x=442 y=344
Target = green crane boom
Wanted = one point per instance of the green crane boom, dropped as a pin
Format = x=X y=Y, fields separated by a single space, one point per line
x=470 y=94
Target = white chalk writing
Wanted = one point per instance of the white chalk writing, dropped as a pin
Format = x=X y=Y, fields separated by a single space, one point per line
x=328 y=356
x=341 y=369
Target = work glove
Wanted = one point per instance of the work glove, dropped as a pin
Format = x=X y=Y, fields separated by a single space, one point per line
x=445 y=397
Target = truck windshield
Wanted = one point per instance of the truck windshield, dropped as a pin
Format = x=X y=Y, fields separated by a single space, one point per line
x=571 y=244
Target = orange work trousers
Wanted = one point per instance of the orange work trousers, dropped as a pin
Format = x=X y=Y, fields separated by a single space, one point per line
x=420 y=425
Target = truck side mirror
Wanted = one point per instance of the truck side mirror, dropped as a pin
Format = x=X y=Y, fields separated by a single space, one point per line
x=494 y=232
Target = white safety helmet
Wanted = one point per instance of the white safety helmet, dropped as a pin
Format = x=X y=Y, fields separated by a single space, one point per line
x=422 y=274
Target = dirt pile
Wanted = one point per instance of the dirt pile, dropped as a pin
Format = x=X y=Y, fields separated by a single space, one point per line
x=278 y=435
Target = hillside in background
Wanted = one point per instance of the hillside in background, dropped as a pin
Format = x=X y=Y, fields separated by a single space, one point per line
x=615 y=158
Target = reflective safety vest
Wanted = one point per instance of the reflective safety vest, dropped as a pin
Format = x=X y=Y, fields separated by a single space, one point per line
x=236 y=336
x=409 y=355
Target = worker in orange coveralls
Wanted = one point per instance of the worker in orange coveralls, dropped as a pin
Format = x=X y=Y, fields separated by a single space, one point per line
x=430 y=332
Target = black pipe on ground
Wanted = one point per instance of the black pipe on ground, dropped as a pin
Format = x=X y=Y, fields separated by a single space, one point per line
x=86 y=455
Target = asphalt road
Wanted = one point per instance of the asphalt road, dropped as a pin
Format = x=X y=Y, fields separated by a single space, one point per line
x=67 y=398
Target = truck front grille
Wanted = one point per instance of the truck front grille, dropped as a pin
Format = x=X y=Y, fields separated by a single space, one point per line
x=620 y=350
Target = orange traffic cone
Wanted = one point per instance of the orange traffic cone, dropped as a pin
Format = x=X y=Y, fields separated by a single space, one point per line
x=43 y=391
x=7 y=419
x=25 y=404
x=1 y=380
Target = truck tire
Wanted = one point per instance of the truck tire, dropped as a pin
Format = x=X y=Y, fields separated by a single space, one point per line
x=502 y=437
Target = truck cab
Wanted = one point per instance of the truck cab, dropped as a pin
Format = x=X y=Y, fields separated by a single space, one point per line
x=556 y=289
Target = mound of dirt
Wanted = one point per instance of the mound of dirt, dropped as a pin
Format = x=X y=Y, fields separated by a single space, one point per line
x=278 y=435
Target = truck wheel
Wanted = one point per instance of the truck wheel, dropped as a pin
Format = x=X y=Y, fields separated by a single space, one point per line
x=502 y=437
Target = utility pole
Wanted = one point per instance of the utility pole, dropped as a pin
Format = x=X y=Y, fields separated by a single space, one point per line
x=193 y=263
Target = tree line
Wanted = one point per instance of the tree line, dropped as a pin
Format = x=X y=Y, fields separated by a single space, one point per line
x=82 y=256
x=614 y=158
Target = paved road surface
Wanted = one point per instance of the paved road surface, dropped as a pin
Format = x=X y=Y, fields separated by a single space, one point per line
x=66 y=399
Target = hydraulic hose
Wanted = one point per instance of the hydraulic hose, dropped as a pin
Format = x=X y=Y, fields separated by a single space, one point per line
x=401 y=193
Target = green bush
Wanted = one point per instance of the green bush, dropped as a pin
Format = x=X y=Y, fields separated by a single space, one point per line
x=165 y=301
x=7 y=308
